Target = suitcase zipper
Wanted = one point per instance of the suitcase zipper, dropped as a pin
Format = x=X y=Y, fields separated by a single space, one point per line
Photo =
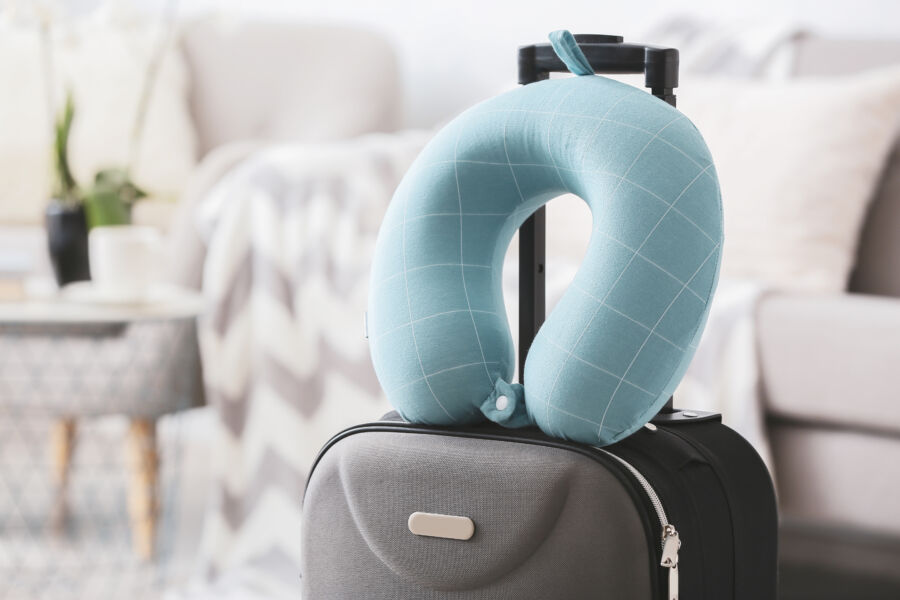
x=670 y=542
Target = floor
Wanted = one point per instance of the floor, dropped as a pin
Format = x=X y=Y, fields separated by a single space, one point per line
x=90 y=554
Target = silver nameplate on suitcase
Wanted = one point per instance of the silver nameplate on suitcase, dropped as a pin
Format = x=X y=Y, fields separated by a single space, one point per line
x=450 y=527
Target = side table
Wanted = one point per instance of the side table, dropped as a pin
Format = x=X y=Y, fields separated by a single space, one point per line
x=70 y=360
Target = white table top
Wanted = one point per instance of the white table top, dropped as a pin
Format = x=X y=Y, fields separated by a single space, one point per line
x=81 y=305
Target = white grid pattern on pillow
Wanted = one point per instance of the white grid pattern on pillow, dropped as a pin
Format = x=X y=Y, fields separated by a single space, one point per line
x=654 y=137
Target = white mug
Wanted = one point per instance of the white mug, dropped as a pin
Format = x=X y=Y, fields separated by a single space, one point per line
x=125 y=259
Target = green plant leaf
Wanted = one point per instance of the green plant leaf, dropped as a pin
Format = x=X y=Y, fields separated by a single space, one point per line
x=65 y=187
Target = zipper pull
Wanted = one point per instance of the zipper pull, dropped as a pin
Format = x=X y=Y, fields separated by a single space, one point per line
x=671 y=544
x=673 y=583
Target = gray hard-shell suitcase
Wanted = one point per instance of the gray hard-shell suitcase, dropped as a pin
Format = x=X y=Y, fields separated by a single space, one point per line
x=684 y=508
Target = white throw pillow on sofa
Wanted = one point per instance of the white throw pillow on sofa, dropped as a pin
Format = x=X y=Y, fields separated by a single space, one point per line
x=104 y=66
x=798 y=162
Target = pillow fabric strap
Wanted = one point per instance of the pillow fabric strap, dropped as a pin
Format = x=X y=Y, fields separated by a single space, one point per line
x=567 y=50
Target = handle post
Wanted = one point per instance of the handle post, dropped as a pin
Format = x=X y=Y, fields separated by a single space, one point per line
x=606 y=54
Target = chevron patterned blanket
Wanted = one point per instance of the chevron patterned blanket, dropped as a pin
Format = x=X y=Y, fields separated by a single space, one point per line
x=289 y=241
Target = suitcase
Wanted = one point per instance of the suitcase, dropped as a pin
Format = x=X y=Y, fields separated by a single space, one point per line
x=684 y=508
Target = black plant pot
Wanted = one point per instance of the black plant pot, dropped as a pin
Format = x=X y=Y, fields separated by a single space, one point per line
x=67 y=239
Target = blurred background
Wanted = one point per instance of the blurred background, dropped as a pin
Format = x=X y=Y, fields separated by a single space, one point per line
x=189 y=194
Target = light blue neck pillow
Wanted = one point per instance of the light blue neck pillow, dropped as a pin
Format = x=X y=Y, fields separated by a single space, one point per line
x=619 y=341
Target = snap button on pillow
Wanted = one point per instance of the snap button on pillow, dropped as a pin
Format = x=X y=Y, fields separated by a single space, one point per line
x=619 y=341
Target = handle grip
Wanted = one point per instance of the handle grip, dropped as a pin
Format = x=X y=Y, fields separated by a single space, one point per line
x=607 y=54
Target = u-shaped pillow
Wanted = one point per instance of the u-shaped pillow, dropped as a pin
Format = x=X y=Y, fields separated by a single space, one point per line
x=618 y=342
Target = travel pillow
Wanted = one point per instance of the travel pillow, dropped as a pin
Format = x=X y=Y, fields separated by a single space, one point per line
x=618 y=342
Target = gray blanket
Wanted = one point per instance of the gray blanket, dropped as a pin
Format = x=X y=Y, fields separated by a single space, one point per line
x=289 y=235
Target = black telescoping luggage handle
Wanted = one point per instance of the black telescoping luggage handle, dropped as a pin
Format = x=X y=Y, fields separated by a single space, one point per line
x=606 y=54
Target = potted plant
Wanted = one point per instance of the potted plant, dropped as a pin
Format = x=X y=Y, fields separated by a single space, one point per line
x=111 y=197
x=72 y=212
x=65 y=218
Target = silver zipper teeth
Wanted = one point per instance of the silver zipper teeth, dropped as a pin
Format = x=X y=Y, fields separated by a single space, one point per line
x=651 y=493
x=669 y=536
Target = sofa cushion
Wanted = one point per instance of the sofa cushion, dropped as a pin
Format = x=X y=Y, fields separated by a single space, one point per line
x=831 y=359
x=287 y=81
x=878 y=258
x=830 y=477
x=798 y=162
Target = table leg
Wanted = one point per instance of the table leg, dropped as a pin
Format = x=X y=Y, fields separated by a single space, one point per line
x=143 y=466
x=62 y=439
